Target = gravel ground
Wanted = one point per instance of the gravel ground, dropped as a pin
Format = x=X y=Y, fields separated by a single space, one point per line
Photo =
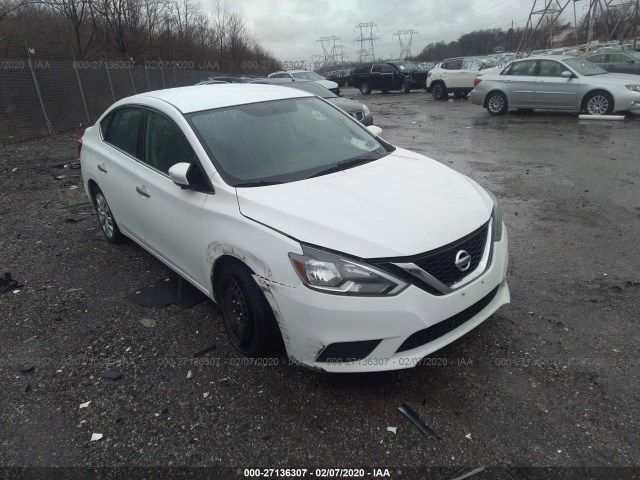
x=551 y=380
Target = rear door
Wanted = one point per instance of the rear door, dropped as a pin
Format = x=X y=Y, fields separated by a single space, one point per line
x=518 y=82
x=375 y=79
x=553 y=90
x=119 y=168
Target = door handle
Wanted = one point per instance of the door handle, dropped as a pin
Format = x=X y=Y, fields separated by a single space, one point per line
x=142 y=191
x=102 y=169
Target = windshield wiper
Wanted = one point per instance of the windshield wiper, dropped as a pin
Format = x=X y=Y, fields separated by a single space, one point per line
x=346 y=164
x=258 y=183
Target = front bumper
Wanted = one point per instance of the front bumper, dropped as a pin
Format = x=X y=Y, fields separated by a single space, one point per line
x=311 y=320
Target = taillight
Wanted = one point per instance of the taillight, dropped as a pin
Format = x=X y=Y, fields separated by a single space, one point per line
x=476 y=82
x=79 y=146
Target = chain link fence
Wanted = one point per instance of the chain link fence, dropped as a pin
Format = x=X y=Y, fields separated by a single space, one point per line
x=43 y=97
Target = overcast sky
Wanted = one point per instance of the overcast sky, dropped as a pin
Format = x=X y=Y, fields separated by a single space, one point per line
x=290 y=28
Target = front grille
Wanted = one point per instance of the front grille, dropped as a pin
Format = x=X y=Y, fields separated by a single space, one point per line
x=347 y=351
x=440 y=263
x=429 y=334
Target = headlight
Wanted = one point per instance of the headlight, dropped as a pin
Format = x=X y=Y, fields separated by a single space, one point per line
x=633 y=88
x=496 y=216
x=332 y=273
x=365 y=109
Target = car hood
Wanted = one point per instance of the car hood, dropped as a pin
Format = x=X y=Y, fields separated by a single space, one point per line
x=346 y=104
x=328 y=84
x=402 y=204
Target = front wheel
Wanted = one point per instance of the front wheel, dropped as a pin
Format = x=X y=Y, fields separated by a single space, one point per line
x=365 y=88
x=599 y=103
x=405 y=88
x=497 y=104
x=438 y=91
x=248 y=319
x=108 y=224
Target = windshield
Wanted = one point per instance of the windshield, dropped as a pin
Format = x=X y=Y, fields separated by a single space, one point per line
x=584 y=67
x=402 y=66
x=307 y=75
x=282 y=141
x=313 y=87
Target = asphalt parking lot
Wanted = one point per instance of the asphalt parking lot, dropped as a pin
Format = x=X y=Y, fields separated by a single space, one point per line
x=551 y=380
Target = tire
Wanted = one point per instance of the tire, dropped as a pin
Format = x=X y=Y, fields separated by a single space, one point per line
x=497 y=103
x=405 y=88
x=365 y=88
x=598 y=103
x=461 y=95
x=247 y=316
x=106 y=221
x=438 y=91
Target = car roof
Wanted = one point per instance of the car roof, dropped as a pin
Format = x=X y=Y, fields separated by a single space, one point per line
x=547 y=57
x=201 y=97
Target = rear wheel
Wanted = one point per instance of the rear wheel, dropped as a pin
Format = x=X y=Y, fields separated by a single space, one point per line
x=497 y=103
x=438 y=91
x=248 y=319
x=598 y=103
x=108 y=224
x=365 y=88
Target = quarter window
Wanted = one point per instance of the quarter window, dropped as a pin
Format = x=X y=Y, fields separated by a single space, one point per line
x=123 y=128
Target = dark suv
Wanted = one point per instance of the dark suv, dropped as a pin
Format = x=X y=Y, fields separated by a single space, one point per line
x=390 y=75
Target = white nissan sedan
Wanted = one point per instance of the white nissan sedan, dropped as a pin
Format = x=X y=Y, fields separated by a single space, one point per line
x=305 y=227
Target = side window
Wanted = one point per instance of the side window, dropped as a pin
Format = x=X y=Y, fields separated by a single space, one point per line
x=618 y=58
x=523 y=69
x=123 y=128
x=165 y=145
x=388 y=69
x=549 y=68
x=376 y=69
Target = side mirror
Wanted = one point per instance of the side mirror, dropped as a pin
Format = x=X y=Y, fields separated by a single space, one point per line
x=567 y=74
x=375 y=130
x=178 y=174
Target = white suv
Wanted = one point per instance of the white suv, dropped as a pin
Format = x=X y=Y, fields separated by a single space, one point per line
x=454 y=75
x=307 y=228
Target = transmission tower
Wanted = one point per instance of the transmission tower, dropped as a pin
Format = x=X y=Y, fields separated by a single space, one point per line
x=329 y=49
x=405 y=37
x=552 y=9
x=366 y=39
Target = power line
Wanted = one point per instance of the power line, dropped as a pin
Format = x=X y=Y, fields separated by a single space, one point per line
x=366 y=53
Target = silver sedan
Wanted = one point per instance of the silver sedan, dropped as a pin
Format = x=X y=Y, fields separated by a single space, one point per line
x=558 y=83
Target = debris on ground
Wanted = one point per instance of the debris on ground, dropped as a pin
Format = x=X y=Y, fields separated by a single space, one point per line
x=96 y=436
x=205 y=394
x=461 y=476
x=148 y=322
x=189 y=374
x=111 y=374
x=27 y=367
x=468 y=436
x=8 y=284
x=85 y=405
x=172 y=290
x=78 y=217
x=200 y=353
x=392 y=429
x=408 y=412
